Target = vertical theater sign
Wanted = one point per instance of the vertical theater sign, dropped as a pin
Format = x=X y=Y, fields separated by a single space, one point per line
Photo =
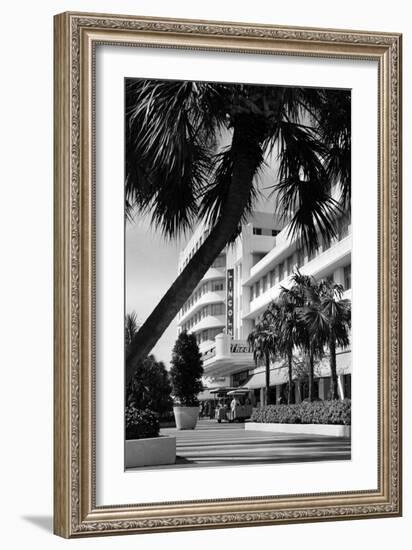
x=229 y=302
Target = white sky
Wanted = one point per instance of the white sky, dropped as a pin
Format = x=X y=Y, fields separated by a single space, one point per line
x=151 y=268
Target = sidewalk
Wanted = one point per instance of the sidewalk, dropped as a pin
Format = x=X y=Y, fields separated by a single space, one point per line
x=213 y=444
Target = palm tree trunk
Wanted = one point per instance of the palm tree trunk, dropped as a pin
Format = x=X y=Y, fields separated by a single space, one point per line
x=246 y=153
x=267 y=376
x=333 y=372
x=290 y=381
x=311 y=376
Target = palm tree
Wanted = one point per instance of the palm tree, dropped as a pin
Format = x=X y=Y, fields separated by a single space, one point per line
x=263 y=342
x=131 y=326
x=328 y=318
x=286 y=323
x=299 y=297
x=176 y=173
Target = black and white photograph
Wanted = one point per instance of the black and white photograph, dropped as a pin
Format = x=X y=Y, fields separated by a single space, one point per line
x=238 y=245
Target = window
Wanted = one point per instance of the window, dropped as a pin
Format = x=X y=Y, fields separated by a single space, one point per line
x=347 y=386
x=257 y=289
x=217 y=309
x=257 y=230
x=217 y=285
x=239 y=378
x=347 y=277
x=281 y=271
x=275 y=232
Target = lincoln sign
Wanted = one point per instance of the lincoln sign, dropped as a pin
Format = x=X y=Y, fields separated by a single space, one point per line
x=229 y=302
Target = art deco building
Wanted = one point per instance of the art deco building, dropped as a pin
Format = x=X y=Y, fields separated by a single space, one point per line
x=238 y=287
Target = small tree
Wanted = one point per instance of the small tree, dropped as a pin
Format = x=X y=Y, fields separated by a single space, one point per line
x=150 y=388
x=186 y=371
x=262 y=340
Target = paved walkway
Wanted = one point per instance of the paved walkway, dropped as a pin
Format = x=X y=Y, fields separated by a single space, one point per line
x=213 y=444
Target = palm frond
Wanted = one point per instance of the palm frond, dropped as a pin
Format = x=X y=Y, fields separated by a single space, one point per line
x=215 y=194
x=170 y=137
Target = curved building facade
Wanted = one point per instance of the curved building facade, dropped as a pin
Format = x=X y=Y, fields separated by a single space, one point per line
x=239 y=286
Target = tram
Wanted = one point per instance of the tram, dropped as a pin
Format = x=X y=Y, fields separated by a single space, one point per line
x=232 y=404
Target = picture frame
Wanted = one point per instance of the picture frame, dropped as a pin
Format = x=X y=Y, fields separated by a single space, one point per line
x=76 y=37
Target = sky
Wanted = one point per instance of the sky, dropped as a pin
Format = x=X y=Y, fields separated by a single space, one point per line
x=151 y=268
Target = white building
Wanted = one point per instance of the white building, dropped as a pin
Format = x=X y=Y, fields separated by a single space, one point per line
x=236 y=290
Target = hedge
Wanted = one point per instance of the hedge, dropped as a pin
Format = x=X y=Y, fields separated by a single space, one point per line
x=317 y=412
x=141 y=424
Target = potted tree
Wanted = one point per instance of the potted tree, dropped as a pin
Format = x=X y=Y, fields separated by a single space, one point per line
x=185 y=375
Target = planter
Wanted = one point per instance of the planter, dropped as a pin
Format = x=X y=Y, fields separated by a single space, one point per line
x=152 y=451
x=186 y=417
x=331 y=430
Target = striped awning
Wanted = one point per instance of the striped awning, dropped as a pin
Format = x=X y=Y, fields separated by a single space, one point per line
x=277 y=376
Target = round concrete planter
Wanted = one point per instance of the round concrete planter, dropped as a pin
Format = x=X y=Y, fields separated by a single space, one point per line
x=186 y=417
x=152 y=451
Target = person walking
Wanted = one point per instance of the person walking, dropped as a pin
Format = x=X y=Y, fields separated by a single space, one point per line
x=233 y=406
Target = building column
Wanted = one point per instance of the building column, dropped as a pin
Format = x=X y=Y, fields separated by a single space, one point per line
x=341 y=391
x=322 y=389
x=262 y=397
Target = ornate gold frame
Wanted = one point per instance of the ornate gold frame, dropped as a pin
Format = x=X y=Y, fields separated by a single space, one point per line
x=75 y=511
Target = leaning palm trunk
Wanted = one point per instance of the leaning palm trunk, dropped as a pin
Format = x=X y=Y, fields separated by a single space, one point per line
x=246 y=158
x=333 y=371
x=290 y=380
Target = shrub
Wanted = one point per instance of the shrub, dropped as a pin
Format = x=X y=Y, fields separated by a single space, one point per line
x=150 y=387
x=317 y=412
x=141 y=424
x=186 y=371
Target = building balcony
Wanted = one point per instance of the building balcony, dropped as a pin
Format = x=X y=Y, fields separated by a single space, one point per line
x=322 y=265
x=214 y=273
x=210 y=297
x=210 y=321
x=284 y=245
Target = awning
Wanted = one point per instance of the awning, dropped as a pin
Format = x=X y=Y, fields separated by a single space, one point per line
x=277 y=376
x=239 y=391
x=221 y=389
x=211 y=393
x=343 y=365
x=205 y=395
